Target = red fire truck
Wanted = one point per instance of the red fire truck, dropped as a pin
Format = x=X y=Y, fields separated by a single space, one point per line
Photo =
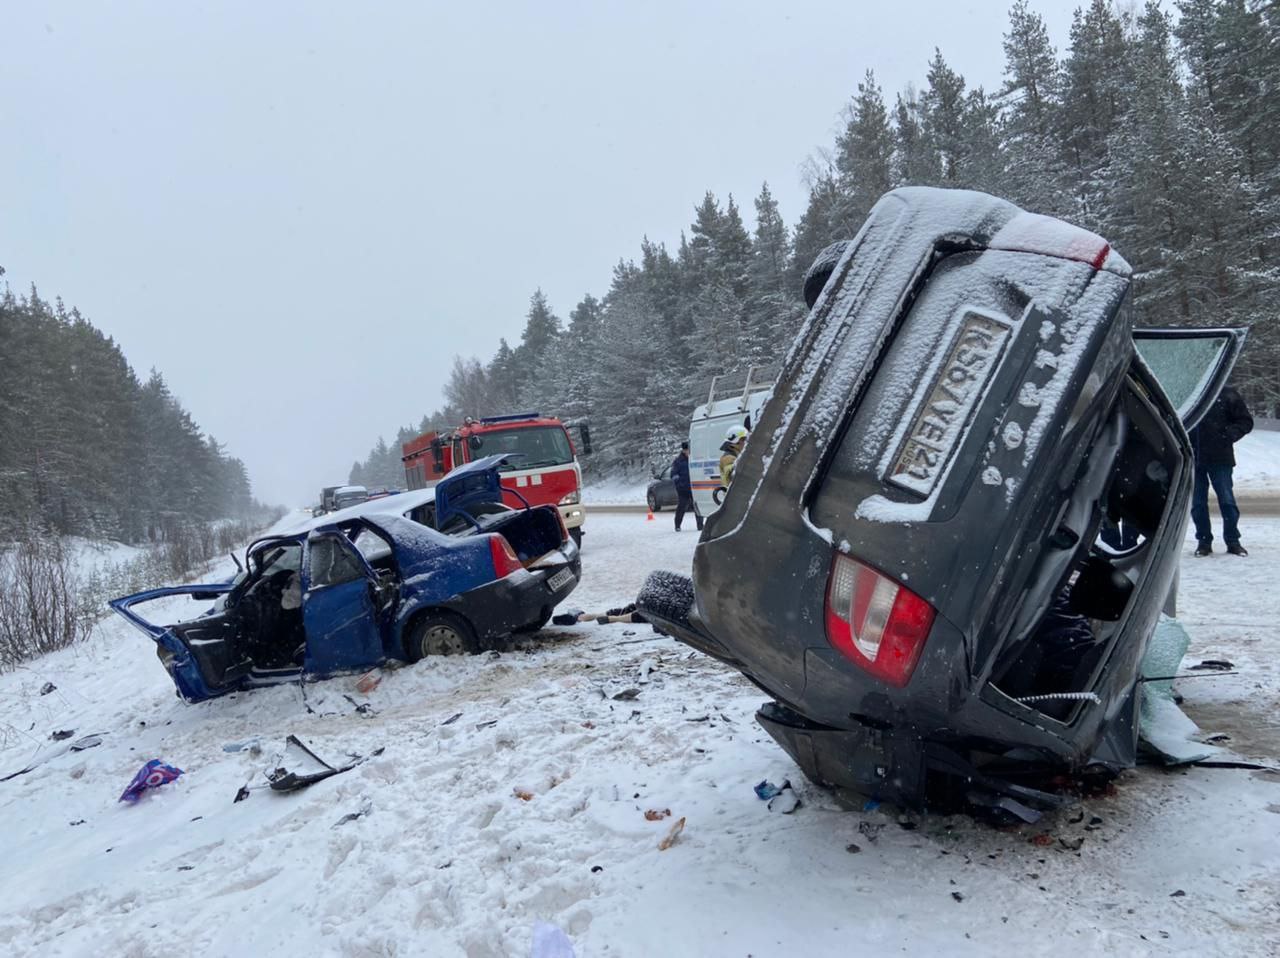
x=546 y=472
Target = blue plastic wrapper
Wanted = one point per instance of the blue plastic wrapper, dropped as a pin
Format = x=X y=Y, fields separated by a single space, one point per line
x=152 y=775
x=766 y=789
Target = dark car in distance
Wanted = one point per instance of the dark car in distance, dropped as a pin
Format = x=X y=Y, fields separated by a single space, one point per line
x=661 y=493
x=912 y=561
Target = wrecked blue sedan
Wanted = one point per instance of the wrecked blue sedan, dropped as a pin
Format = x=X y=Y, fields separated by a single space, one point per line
x=432 y=572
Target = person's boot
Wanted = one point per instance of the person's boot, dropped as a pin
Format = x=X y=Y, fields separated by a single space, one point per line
x=1236 y=549
x=1204 y=549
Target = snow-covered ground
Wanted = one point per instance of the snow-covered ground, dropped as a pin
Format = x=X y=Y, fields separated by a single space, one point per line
x=88 y=556
x=512 y=789
x=1258 y=462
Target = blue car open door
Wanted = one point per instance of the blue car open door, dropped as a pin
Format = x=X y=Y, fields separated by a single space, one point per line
x=338 y=608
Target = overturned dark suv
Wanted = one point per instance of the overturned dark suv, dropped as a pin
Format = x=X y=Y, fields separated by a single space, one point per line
x=913 y=557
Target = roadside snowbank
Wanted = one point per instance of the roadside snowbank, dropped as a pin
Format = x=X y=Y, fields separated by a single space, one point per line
x=615 y=492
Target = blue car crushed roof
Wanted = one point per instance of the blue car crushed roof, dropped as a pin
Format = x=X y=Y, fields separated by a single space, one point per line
x=435 y=571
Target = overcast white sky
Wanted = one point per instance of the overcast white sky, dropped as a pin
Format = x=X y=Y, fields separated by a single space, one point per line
x=299 y=212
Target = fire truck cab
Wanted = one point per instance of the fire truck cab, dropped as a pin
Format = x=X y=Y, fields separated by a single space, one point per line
x=544 y=470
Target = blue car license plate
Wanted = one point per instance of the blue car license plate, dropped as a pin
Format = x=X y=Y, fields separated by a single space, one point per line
x=563 y=577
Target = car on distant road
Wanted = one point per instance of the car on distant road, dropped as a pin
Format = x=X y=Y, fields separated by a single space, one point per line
x=445 y=571
x=661 y=493
x=345 y=496
x=956 y=521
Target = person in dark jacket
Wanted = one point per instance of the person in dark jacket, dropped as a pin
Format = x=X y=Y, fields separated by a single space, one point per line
x=1226 y=423
x=684 y=489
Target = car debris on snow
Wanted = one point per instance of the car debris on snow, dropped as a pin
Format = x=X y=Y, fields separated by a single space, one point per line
x=301 y=767
x=765 y=790
x=79 y=745
x=785 y=802
x=670 y=839
x=361 y=812
x=870 y=830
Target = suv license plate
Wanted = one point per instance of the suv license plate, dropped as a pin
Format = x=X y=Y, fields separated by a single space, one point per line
x=958 y=387
x=563 y=577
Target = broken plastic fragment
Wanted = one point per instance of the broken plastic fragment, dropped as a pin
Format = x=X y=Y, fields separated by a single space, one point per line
x=766 y=790
x=672 y=835
x=301 y=767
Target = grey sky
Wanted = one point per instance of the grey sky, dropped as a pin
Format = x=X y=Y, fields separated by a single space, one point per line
x=300 y=212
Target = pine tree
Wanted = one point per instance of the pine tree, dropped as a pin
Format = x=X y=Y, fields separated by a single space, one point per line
x=915 y=162
x=864 y=156
x=942 y=109
x=1031 y=100
x=774 y=310
x=501 y=383
x=818 y=228
x=1097 y=76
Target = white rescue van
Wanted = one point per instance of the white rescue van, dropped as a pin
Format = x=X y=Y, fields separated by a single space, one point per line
x=731 y=401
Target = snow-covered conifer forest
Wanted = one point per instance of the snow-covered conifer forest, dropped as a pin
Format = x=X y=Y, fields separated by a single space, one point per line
x=1157 y=127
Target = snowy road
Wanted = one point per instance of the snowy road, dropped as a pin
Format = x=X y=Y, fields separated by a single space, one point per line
x=447 y=858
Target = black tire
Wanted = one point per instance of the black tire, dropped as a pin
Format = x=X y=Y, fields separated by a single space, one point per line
x=576 y=535
x=654 y=504
x=824 y=264
x=440 y=633
x=668 y=595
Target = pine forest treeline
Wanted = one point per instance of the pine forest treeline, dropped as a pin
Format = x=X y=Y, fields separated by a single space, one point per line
x=88 y=449
x=1159 y=131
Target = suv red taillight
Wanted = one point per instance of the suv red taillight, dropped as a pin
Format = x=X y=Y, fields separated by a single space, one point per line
x=505 y=560
x=874 y=622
